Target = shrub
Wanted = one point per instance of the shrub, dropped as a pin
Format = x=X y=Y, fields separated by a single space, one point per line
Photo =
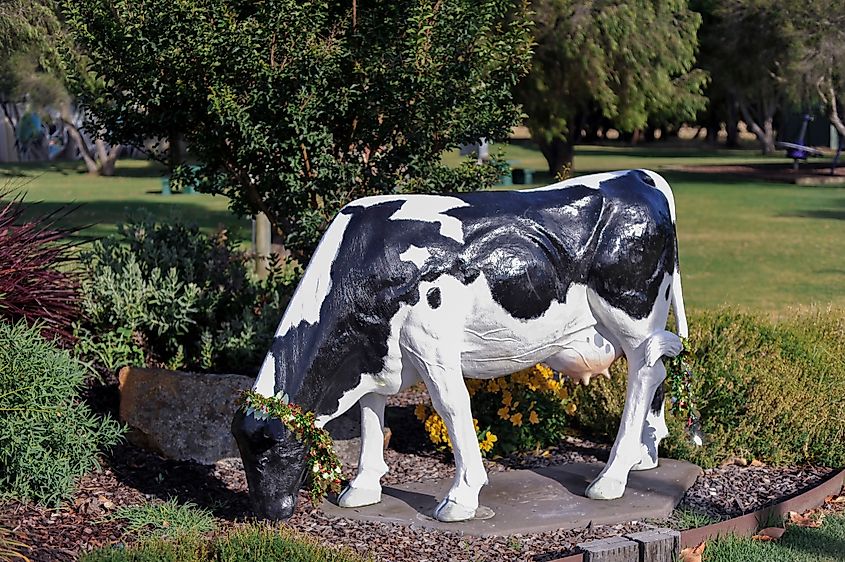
x=48 y=438
x=770 y=391
x=168 y=295
x=522 y=411
x=34 y=285
x=246 y=544
x=166 y=519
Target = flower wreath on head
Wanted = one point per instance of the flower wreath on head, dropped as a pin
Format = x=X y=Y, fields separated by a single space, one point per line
x=323 y=464
x=679 y=376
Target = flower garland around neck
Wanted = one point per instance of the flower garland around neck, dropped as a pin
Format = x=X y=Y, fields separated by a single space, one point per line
x=680 y=375
x=323 y=464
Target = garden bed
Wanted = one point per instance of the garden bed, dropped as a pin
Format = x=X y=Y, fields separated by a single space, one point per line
x=132 y=476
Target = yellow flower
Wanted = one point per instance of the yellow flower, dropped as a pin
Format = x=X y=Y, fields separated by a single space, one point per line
x=533 y=418
x=420 y=412
x=503 y=412
x=507 y=397
x=570 y=408
x=493 y=385
x=492 y=437
x=475 y=424
x=516 y=419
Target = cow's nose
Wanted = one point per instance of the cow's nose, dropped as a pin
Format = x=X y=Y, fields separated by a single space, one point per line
x=280 y=509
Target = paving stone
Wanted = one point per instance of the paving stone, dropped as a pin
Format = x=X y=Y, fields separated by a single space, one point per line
x=613 y=549
x=537 y=500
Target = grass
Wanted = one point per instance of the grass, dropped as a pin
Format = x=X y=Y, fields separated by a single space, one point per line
x=105 y=202
x=798 y=544
x=246 y=544
x=750 y=244
x=166 y=519
x=684 y=518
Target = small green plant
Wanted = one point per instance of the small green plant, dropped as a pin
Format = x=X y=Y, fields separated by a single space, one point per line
x=166 y=519
x=168 y=295
x=48 y=437
x=684 y=518
x=245 y=544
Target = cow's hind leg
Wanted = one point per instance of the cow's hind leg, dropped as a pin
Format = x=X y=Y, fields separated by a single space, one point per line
x=645 y=374
x=365 y=488
x=654 y=431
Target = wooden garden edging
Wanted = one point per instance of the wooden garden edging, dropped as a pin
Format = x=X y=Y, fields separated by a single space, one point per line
x=744 y=525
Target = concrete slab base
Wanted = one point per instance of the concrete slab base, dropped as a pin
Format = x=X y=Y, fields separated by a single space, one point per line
x=533 y=501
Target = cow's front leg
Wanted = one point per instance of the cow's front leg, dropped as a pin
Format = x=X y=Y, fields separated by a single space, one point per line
x=450 y=399
x=365 y=488
x=627 y=450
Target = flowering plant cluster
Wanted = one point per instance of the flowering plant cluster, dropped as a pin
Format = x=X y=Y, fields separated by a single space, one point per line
x=324 y=466
x=679 y=376
x=525 y=410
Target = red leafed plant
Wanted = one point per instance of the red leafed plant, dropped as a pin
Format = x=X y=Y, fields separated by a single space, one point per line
x=34 y=285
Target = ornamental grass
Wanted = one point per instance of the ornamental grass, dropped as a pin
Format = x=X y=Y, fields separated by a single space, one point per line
x=35 y=283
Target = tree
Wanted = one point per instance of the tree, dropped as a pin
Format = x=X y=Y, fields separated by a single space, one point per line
x=625 y=60
x=31 y=40
x=754 y=48
x=294 y=108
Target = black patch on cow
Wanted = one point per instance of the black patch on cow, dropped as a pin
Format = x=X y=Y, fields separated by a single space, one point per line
x=659 y=398
x=529 y=246
x=668 y=291
x=433 y=297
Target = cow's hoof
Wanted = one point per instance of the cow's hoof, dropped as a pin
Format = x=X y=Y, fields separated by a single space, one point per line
x=605 y=489
x=358 y=497
x=449 y=511
x=647 y=463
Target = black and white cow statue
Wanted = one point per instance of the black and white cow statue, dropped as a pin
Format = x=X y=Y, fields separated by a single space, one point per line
x=435 y=288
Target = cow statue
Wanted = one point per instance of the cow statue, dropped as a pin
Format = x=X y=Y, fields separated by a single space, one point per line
x=434 y=288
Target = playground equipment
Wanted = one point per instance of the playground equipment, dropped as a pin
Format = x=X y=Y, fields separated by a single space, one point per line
x=799 y=151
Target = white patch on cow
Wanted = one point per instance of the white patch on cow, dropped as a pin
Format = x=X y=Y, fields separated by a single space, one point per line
x=415 y=255
x=592 y=181
x=308 y=298
x=427 y=208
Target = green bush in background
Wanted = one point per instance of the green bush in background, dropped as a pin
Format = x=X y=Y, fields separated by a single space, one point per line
x=48 y=438
x=169 y=295
x=247 y=544
x=774 y=391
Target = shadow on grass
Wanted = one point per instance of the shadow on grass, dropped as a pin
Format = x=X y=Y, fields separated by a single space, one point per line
x=96 y=214
x=827 y=214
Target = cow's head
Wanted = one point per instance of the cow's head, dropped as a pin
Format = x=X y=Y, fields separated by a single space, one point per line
x=274 y=462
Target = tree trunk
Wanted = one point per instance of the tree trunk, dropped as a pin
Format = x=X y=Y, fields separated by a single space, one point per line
x=765 y=134
x=560 y=155
x=732 y=125
x=107 y=157
x=828 y=96
x=84 y=151
x=177 y=149
x=261 y=239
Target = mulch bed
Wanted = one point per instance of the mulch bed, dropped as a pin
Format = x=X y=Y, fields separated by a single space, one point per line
x=132 y=476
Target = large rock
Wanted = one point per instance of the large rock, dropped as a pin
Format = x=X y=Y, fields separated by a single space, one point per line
x=187 y=416
x=182 y=416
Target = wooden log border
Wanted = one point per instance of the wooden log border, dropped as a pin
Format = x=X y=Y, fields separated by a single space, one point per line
x=748 y=524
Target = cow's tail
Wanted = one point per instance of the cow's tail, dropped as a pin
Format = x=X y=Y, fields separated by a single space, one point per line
x=677 y=294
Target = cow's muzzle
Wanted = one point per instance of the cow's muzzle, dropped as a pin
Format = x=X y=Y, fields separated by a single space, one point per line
x=274 y=463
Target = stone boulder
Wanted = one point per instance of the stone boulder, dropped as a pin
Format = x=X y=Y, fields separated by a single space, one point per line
x=182 y=416
x=187 y=416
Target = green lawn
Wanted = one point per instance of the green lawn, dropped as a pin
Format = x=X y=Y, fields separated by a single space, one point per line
x=757 y=245
x=105 y=202
x=798 y=544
